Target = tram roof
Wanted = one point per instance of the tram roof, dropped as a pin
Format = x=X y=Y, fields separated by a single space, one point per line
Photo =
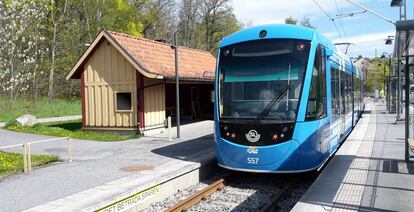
x=280 y=31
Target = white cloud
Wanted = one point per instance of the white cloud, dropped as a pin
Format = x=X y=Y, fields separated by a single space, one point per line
x=257 y=12
x=366 y=38
x=265 y=11
x=368 y=49
x=367 y=44
x=331 y=35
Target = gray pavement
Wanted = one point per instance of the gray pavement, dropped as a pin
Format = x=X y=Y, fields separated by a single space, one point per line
x=94 y=163
x=53 y=119
x=368 y=173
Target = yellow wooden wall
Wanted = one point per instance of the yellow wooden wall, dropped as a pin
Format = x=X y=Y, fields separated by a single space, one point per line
x=107 y=72
x=154 y=102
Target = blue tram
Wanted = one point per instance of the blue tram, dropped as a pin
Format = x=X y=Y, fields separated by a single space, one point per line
x=285 y=99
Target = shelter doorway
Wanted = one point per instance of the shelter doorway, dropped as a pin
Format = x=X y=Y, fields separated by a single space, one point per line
x=196 y=101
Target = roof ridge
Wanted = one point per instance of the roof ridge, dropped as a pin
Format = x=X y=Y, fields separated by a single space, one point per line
x=154 y=41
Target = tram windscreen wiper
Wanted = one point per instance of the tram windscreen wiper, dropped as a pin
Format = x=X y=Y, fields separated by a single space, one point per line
x=269 y=107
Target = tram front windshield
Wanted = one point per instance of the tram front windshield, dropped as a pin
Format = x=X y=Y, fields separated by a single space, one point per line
x=262 y=80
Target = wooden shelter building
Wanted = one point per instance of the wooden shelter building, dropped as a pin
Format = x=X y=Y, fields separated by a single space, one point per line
x=128 y=83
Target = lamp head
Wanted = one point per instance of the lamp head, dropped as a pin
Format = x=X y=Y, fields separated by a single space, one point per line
x=397 y=3
x=388 y=41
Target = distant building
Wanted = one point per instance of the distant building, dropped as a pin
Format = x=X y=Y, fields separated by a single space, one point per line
x=128 y=83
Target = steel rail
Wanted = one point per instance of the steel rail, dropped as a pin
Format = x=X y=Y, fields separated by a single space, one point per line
x=197 y=197
x=272 y=205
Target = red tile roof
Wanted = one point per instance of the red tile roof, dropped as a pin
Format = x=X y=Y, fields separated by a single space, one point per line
x=158 y=58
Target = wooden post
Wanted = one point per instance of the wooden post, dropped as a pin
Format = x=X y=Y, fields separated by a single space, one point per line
x=25 y=158
x=29 y=158
x=169 y=129
x=69 y=150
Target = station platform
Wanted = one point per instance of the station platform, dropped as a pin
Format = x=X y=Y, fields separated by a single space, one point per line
x=109 y=176
x=368 y=173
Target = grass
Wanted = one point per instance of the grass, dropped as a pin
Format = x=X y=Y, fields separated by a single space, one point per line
x=12 y=163
x=10 y=110
x=72 y=129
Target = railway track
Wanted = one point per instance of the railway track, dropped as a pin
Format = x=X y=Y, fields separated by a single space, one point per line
x=238 y=193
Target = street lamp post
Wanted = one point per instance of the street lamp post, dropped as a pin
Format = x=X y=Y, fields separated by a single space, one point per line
x=403 y=16
x=388 y=95
x=403 y=7
x=376 y=91
x=386 y=85
x=177 y=85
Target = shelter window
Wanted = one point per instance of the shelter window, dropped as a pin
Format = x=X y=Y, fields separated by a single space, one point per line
x=123 y=101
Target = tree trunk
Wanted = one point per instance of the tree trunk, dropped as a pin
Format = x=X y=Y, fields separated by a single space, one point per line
x=52 y=68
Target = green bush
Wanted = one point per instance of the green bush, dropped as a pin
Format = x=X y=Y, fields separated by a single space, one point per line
x=11 y=123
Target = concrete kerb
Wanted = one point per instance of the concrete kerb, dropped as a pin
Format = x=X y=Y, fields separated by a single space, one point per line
x=139 y=190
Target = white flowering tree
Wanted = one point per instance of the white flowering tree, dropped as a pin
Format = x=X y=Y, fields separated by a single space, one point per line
x=21 y=44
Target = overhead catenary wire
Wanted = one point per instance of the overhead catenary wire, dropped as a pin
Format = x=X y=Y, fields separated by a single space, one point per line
x=330 y=18
x=372 y=12
x=340 y=10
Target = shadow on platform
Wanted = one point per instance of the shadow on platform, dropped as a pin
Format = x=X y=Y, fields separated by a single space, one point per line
x=186 y=150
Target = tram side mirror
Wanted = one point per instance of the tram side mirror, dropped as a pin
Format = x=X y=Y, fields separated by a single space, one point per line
x=329 y=52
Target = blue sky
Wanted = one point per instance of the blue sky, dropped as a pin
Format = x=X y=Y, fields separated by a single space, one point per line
x=366 y=31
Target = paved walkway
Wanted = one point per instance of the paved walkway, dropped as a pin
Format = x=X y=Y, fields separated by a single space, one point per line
x=94 y=163
x=368 y=173
x=53 y=119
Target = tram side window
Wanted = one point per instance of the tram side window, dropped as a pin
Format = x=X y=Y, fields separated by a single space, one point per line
x=356 y=92
x=347 y=100
x=335 y=93
x=349 y=93
x=343 y=92
x=316 y=108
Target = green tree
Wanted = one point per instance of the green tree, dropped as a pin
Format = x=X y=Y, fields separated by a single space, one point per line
x=41 y=40
x=291 y=20
x=306 y=22
x=188 y=19
x=217 y=21
x=375 y=74
x=157 y=18
x=74 y=23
